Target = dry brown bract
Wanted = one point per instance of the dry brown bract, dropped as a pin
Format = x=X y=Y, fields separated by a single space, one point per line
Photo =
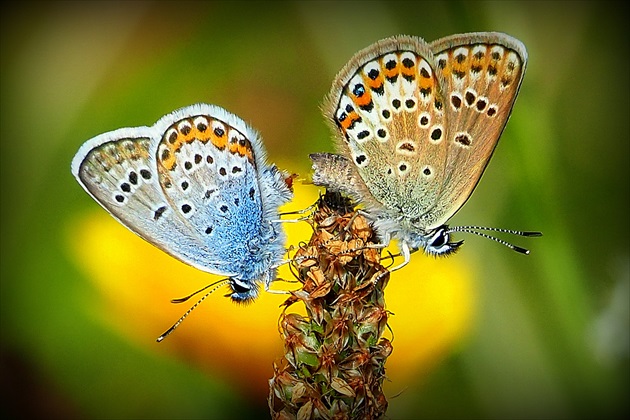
x=334 y=361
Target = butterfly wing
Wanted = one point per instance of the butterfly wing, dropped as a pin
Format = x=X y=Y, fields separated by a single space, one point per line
x=118 y=170
x=481 y=74
x=387 y=105
x=418 y=150
x=215 y=178
x=166 y=184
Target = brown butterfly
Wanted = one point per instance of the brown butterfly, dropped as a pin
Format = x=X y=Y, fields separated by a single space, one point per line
x=416 y=124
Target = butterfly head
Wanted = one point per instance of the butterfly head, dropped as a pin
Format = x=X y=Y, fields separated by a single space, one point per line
x=435 y=242
x=242 y=291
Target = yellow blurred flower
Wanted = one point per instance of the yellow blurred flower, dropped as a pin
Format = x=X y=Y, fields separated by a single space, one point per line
x=432 y=301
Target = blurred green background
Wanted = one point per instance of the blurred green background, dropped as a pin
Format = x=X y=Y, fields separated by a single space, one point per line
x=551 y=331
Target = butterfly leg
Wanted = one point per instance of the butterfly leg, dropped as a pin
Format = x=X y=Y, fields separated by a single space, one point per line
x=406 y=253
x=277 y=292
x=310 y=209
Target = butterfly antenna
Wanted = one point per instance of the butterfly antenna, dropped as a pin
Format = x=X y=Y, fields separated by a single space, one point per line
x=469 y=229
x=510 y=231
x=185 y=298
x=216 y=285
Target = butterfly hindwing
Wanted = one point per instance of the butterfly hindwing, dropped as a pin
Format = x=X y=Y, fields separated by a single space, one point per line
x=481 y=74
x=118 y=170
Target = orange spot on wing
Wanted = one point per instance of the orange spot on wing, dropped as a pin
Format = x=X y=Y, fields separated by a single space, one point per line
x=202 y=136
x=364 y=99
x=245 y=150
x=480 y=63
x=189 y=137
x=345 y=123
x=376 y=83
x=169 y=163
x=395 y=71
x=460 y=67
x=220 y=142
x=349 y=120
x=426 y=83
x=411 y=71
x=242 y=149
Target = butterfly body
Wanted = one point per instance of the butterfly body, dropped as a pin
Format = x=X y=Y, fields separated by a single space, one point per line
x=416 y=124
x=196 y=185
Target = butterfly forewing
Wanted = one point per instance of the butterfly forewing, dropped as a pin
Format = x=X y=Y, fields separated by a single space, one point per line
x=390 y=112
x=481 y=76
x=208 y=176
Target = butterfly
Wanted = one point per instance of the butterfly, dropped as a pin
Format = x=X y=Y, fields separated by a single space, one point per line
x=416 y=124
x=196 y=185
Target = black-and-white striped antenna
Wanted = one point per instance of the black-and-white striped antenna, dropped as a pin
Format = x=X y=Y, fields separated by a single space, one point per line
x=474 y=229
x=214 y=286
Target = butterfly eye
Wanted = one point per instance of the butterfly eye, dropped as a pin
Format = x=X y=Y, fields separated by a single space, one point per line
x=238 y=288
x=438 y=243
x=243 y=291
x=439 y=239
